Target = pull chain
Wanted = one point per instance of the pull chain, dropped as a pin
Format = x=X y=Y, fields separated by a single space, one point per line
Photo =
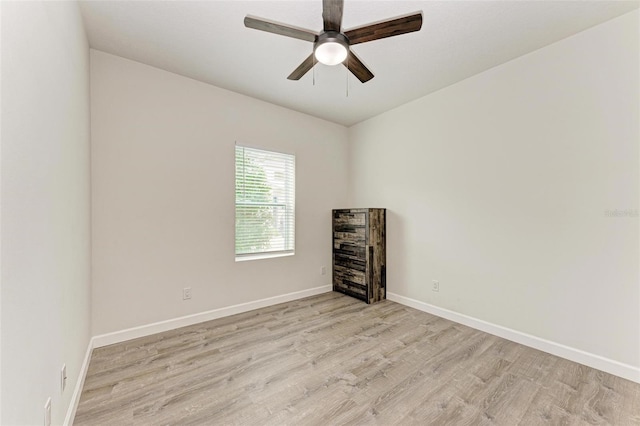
x=347 y=78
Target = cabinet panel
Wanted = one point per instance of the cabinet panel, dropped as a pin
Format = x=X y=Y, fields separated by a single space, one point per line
x=352 y=262
x=356 y=251
x=348 y=288
x=356 y=237
x=348 y=217
x=349 y=274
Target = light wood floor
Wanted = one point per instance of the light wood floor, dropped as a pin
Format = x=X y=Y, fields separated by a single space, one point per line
x=333 y=360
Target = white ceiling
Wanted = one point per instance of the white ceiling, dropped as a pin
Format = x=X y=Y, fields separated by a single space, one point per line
x=207 y=41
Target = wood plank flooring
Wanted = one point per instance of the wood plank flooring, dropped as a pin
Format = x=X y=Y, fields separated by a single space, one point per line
x=333 y=360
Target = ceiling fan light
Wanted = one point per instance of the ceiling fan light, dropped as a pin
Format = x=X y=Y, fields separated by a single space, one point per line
x=331 y=53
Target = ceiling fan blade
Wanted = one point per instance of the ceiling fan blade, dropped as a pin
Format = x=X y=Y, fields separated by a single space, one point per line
x=278 y=28
x=332 y=14
x=302 y=69
x=392 y=27
x=357 y=68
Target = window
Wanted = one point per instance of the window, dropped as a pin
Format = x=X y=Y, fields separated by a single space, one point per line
x=265 y=203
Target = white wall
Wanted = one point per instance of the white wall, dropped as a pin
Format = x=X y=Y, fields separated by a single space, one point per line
x=497 y=186
x=163 y=194
x=45 y=207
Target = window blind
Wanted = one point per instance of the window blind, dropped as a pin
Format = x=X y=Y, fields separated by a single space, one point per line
x=265 y=202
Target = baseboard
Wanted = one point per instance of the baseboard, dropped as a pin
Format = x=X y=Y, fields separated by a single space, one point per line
x=610 y=366
x=159 y=327
x=77 y=390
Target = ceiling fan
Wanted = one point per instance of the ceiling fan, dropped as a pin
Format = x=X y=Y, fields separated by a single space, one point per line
x=332 y=45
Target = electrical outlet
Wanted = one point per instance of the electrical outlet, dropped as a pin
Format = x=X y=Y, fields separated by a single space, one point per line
x=186 y=293
x=63 y=377
x=323 y=270
x=435 y=286
x=47 y=412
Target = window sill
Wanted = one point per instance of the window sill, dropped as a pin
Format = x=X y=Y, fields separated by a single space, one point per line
x=260 y=256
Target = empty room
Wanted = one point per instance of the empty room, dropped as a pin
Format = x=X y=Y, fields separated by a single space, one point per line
x=319 y=212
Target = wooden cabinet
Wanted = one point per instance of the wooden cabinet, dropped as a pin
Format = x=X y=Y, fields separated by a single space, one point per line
x=359 y=253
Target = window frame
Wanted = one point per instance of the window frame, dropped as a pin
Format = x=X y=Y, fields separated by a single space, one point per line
x=288 y=206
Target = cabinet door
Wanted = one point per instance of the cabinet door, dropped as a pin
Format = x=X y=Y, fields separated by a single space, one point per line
x=349 y=253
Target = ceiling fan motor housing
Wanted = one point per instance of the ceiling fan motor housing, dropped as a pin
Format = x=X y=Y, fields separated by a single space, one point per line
x=331 y=47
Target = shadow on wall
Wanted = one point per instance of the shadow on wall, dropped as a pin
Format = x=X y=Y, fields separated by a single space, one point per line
x=396 y=261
